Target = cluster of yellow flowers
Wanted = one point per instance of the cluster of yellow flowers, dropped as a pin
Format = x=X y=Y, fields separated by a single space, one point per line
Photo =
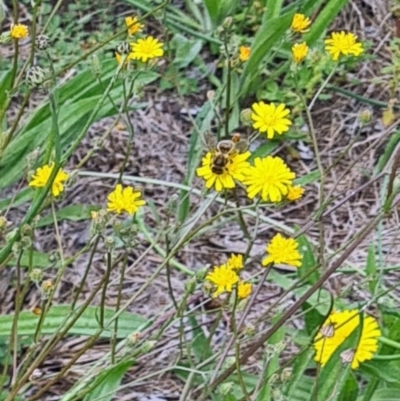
x=280 y=250
x=143 y=49
x=340 y=43
x=226 y=277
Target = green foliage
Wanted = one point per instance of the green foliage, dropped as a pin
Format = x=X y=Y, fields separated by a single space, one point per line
x=59 y=316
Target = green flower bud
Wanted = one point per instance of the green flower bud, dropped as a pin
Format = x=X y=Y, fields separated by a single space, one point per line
x=109 y=243
x=365 y=116
x=26 y=230
x=36 y=275
x=245 y=117
x=286 y=374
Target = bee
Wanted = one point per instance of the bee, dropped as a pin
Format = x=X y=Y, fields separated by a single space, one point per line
x=223 y=150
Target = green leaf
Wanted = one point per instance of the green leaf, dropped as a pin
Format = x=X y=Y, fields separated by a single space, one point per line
x=186 y=50
x=107 y=383
x=384 y=394
x=273 y=9
x=307 y=178
x=213 y=11
x=384 y=370
x=308 y=261
x=71 y=213
x=5 y=83
x=349 y=389
x=86 y=325
x=39 y=260
x=264 y=150
x=269 y=35
x=200 y=344
x=324 y=19
x=301 y=363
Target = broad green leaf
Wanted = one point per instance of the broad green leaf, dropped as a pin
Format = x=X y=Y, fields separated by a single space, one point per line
x=323 y=20
x=384 y=394
x=186 y=50
x=308 y=261
x=349 y=389
x=5 y=82
x=213 y=11
x=86 y=325
x=269 y=35
x=21 y=197
x=264 y=150
x=273 y=9
x=200 y=344
x=309 y=178
x=384 y=370
x=39 y=260
x=72 y=213
x=301 y=363
x=106 y=384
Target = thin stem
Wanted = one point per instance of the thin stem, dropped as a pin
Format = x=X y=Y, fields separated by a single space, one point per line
x=104 y=292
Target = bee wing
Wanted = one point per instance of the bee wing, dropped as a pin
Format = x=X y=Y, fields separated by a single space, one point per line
x=242 y=146
x=211 y=141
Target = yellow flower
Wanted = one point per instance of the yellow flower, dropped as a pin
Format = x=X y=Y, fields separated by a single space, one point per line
x=234 y=170
x=244 y=289
x=124 y=199
x=133 y=25
x=270 y=118
x=340 y=325
x=295 y=192
x=42 y=175
x=235 y=262
x=282 y=250
x=244 y=53
x=270 y=177
x=300 y=23
x=224 y=278
x=146 y=49
x=343 y=43
x=299 y=52
x=18 y=31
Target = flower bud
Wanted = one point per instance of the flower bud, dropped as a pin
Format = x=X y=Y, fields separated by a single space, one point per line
x=3 y=223
x=365 y=116
x=42 y=42
x=26 y=242
x=109 y=243
x=286 y=374
x=26 y=230
x=47 y=288
x=245 y=117
x=36 y=275
x=133 y=339
x=35 y=76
